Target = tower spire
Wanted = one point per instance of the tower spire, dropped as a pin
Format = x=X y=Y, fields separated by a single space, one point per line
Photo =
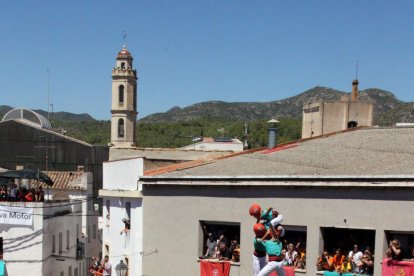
x=124 y=101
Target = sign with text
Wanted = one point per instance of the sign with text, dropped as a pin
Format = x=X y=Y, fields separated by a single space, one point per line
x=16 y=215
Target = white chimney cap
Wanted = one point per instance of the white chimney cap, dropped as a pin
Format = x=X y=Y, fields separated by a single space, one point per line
x=273 y=121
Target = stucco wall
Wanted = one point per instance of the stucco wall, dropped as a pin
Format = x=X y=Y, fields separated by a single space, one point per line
x=312 y=119
x=128 y=245
x=172 y=215
x=116 y=178
x=361 y=112
x=335 y=116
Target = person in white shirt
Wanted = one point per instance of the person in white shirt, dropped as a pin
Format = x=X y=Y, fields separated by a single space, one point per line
x=290 y=255
x=107 y=266
x=355 y=256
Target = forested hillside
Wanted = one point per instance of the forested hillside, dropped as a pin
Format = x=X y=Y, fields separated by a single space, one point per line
x=177 y=134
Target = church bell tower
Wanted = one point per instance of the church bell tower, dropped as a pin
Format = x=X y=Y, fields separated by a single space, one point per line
x=124 y=101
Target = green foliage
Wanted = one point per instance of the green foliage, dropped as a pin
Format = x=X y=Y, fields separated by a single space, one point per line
x=92 y=132
x=178 y=134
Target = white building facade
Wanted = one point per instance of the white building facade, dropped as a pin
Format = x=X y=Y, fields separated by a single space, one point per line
x=122 y=200
x=45 y=241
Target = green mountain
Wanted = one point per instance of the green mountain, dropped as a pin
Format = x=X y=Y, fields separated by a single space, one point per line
x=175 y=127
x=384 y=101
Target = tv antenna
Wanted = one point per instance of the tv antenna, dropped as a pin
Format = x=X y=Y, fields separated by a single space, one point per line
x=48 y=94
x=124 y=35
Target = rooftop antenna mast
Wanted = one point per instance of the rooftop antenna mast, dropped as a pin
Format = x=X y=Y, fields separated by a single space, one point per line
x=48 y=94
x=124 y=35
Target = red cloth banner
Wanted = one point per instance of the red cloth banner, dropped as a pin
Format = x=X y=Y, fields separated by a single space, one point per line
x=289 y=271
x=397 y=268
x=208 y=268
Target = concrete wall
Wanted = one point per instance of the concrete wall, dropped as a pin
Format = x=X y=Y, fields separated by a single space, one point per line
x=233 y=147
x=361 y=112
x=312 y=119
x=115 y=176
x=172 y=217
x=335 y=115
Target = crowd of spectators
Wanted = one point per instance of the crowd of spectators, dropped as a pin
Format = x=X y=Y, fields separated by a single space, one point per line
x=355 y=261
x=220 y=247
x=100 y=268
x=11 y=192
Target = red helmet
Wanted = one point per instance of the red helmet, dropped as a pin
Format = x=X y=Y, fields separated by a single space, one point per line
x=255 y=210
x=259 y=229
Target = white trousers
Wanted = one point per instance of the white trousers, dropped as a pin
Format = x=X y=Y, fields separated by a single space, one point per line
x=258 y=264
x=276 y=221
x=273 y=266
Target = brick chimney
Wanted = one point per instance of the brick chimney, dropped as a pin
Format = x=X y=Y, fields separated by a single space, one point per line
x=355 y=90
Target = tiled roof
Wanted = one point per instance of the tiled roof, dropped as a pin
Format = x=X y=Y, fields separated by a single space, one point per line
x=372 y=151
x=62 y=180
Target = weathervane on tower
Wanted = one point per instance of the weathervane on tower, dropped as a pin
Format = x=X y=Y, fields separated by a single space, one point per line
x=124 y=35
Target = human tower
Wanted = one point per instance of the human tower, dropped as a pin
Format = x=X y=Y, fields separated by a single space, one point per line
x=268 y=256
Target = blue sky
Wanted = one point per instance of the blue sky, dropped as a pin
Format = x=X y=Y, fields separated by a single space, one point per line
x=192 y=51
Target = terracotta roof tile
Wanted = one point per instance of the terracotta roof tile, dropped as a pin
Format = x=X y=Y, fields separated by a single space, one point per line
x=62 y=180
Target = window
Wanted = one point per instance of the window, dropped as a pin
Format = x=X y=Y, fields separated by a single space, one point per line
x=77 y=231
x=128 y=210
x=122 y=65
x=346 y=240
x=70 y=271
x=295 y=236
x=108 y=211
x=406 y=240
x=67 y=240
x=229 y=230
x=75 y=272
x=94 y=231
x=53 y=244
x=60 y=242
x=121 y=94
x=62 y=273
x=121 y=128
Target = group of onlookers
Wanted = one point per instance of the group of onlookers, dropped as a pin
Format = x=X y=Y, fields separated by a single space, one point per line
x=361 y=262
x=355 y=261
x=12 y=193
x=100 y=268
x=219 y=247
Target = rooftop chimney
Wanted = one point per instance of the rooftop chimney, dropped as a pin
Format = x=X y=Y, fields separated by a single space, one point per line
x=355 y=90
x=272 y=133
